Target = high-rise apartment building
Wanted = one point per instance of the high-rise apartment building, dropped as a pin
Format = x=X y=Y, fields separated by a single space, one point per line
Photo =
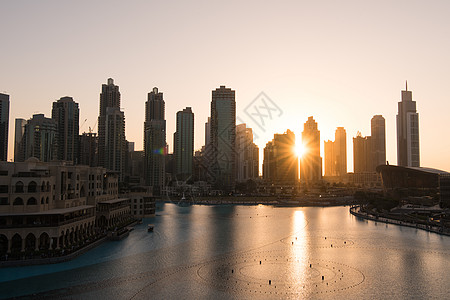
x=4 y=123
x=19 y=134
x=340 y=151
x=223 y=138
x=280 y=164
x=37 y=138
x=88 y=154
x=408 y=153
x=330 y=159
x=247 y=154
x=378 y=133
x=362 y=154
x=183 y=144
x=155 y=141
x=111 y=130
x=311 y=162
x=66 y=113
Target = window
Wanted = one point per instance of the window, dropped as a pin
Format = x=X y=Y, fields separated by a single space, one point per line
x=18 y=201
x=3 y=189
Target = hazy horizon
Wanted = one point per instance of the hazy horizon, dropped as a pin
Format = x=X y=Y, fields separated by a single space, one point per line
x=341 y=62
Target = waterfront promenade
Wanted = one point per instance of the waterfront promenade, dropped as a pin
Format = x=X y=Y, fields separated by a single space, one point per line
x=356 y=211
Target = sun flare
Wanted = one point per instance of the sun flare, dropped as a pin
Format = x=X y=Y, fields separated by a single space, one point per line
x=299 y=150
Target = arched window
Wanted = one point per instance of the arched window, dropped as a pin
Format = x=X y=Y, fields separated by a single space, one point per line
x=32 y=187
x=32 y=201
x=18 y=201
x=19 y=187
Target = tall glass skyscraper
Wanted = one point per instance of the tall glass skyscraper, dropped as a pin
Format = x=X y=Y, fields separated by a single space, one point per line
x=155 y=141
x=223 y=138
x=408 y=154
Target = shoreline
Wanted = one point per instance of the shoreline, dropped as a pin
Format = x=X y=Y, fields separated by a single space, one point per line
x=274 y=201
x=386 y=220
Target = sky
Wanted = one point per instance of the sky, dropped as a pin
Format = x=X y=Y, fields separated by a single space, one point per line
x=339 y=61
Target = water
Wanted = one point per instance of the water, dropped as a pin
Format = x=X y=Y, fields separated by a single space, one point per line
x=231 y=252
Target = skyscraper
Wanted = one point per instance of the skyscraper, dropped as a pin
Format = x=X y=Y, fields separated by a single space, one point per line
x=378 y=131
x=362 y=154
x=183 y=141
x=38 y=139
x=111 y=130
x=66 y=114
x=155 y=141
x=340 y=151
x=223 y=138
x=280 y=164
x=330 y=163
x=311 y=162
x=408 y=154
x=19 y=134
x=247 y=154
x=4 y=122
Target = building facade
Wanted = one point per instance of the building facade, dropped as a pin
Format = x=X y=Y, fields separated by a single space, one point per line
x=408 y=152
x=362 y=154
x=311 y=162
x=223 y=138
x=155 y=141
x=4 y=125
x=111 y=130
x=378 y=133
x=37 y=138
x=247 y=154
x=55 y=206
x=183 y=144
x=66 y=113
x=280 y=164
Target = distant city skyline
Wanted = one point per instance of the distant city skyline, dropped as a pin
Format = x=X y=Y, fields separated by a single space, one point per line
x=339 y=64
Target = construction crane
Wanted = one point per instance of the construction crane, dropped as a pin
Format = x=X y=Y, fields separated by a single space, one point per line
x=83 y=124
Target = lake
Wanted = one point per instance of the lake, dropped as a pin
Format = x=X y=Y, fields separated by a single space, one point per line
x=243 y=252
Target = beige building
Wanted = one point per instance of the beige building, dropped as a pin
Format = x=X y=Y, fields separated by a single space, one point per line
x=53 y=205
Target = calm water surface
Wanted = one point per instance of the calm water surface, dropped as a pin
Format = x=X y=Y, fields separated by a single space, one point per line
x=243 y=252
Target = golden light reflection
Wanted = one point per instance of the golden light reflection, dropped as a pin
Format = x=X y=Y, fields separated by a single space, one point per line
x=299 y=249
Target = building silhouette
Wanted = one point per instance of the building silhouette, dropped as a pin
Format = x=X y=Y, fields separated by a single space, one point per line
x=340 y=151
x=247 y=154
x=378 y=133
x=4 y=123
x=37 y=138
x=19 y=133
x=66 y=113
x=336 y=154
x=362 y=154
x=111 y=130
x=88 y=153
x=155 y=141
x=330 y=159
x=183 y=141
x=311 y=162
x=223 y=138
x=280 y=165
x=408 y=154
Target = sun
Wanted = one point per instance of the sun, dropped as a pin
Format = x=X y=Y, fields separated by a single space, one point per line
x=299 y=149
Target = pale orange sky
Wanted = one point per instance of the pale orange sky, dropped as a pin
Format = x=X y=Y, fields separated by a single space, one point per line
x=339 y=61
